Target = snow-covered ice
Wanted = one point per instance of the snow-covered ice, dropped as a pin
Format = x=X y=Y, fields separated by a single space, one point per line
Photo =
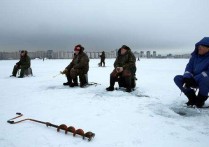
x=118 y=119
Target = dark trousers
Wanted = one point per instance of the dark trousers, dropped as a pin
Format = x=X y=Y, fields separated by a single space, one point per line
x=72 y=76
x=125 y=75
x=102 y=61
x=70 y=80
x=16 y=68
x=203 y=85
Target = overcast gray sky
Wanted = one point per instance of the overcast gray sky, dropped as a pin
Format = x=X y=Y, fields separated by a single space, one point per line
x=168 y=25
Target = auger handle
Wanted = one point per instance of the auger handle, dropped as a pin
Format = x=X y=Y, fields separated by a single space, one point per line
x=18 y=113
x=11 y=122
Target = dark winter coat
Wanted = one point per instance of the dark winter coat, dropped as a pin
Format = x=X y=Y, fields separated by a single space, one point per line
x=198 y=66
x=127 y=61
x=24 y=62
x=80 y=61
x=102 y=56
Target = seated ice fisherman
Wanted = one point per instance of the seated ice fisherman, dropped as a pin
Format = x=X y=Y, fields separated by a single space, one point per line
x=23 y=64
x=78 y=67
x=124 y=70
x=196 y=75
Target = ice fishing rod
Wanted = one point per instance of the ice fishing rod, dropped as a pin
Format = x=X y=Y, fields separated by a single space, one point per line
x=64 y=127
x=56 y=75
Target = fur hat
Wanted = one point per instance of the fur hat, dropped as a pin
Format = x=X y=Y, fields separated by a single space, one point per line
x=78 y=48
x=125 y=47
x=22 y=51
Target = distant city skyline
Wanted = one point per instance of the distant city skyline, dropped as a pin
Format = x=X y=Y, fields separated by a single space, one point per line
x=167 y=26
x=50 y=54
x=159 y=51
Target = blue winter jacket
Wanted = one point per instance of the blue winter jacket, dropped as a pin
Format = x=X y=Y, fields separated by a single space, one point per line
x=198 y=66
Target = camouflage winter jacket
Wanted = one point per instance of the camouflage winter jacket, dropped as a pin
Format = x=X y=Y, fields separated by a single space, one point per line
x=80 y=61
x=24 y=62
x=127 y=61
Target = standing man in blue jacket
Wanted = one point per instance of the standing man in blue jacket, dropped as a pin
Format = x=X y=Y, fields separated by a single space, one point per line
x=196 y=75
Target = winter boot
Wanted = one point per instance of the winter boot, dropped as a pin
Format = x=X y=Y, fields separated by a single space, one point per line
x=110 y=88
x=14 y=72
x=200 y=100
x=128 y=84
x=128 y=89
x=83 y=81
x=69 y=81
x=75 y=82
x=121 y=82
x=22 y=72
x=112 y=83
x=191 y=97
x=66 y=84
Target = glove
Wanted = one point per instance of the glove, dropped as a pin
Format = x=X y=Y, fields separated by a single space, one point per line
x=17 y=65
x=190 y=82
x=64 y=71
x=119 y=69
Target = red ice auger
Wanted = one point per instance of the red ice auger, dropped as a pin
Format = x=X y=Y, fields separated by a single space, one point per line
x=71 y=129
